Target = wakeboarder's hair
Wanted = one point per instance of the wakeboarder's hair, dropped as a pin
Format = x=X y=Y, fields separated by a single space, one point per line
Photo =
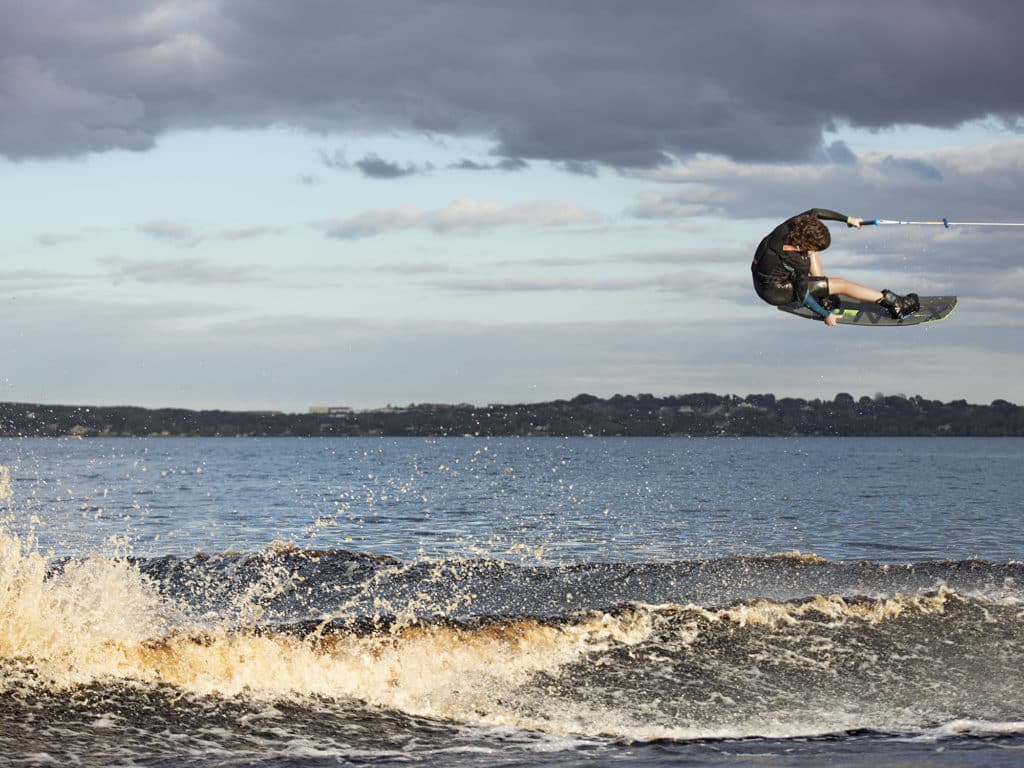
x=809 y=234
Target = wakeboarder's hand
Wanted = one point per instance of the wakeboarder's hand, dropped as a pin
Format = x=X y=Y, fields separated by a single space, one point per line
x=831 y=321
x=853 y=221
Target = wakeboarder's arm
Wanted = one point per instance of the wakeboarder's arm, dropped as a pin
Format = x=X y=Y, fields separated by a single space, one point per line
x=824 y=214
x=812 y=304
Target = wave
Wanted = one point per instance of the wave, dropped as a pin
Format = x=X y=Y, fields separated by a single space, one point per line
x=287 y=582
x=739 y=647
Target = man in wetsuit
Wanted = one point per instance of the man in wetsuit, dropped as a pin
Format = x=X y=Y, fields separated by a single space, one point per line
x=787 y=268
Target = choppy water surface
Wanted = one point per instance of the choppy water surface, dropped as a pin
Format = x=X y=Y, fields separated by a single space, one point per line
x=473 y=602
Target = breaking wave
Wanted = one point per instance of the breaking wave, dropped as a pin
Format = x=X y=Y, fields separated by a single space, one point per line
x=738 y=647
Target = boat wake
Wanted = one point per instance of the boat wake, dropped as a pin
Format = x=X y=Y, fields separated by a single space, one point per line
x=771 y=647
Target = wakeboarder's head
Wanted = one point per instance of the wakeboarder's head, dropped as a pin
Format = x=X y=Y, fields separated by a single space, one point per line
x=809 y=234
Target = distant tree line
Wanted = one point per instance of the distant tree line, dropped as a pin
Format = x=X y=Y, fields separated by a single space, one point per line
x=700 y=414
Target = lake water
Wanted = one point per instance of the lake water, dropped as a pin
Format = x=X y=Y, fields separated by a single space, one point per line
x=215 y=602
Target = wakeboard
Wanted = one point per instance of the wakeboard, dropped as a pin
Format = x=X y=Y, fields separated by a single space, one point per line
x=866 y=313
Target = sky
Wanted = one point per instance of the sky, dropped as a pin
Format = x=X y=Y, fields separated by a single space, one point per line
x=268 y=205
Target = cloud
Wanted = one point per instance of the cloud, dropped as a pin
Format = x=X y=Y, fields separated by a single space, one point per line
x=290 y=362
x=185 y=236
x=192 y=271
x=172 y=232
x=335 y=160
x=838 y=152
x=415 y=268
x=680 y=256
x=560 y=284
x=17 y=281
x=574 y=83
x=910 y=166
x=461 y=216
x=695 y=283
x=51 y=239
x=45 y=113
x=581 y=167
x=982 y=183
x=979 y=183
x=247 y=233
x=552 y=262
x=505 y=164
x=373 y=166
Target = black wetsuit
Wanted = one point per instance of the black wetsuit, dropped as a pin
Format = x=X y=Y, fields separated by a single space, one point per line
x=784 y=277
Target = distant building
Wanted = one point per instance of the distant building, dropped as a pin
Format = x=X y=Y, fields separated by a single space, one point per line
x=331 y=411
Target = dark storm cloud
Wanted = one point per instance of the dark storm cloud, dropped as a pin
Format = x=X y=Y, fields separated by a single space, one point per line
x=580 y=167
x=572 y=82
x=375 y=167
x=372 y=166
